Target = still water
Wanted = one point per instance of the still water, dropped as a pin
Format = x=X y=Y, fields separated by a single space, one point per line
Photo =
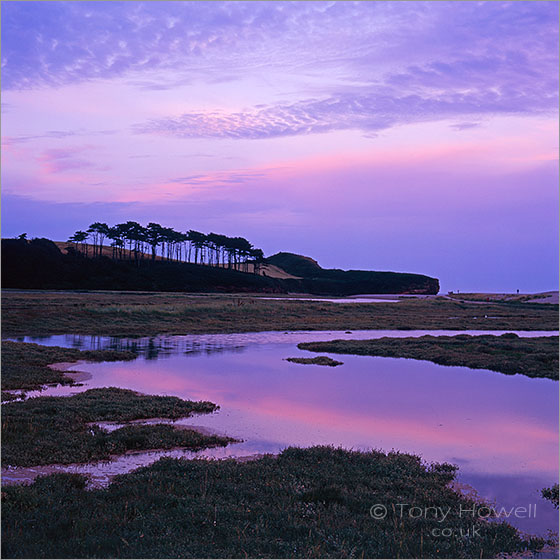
x=501 y=430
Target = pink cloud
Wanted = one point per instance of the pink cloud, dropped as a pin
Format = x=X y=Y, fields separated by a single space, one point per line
x=57 y=160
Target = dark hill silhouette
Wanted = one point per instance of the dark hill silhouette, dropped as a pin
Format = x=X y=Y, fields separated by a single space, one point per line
x=39 y=264
x=298 y=265
x=346 y=282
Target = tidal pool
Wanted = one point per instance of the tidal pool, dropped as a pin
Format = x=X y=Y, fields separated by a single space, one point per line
x=501 y=430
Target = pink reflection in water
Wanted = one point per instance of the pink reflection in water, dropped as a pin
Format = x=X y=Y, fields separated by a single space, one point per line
x=491 y=425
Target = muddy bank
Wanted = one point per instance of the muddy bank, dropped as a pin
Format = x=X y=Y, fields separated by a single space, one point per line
x=75 y=375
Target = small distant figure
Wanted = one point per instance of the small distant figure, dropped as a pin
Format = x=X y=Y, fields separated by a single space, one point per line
x=518 y=290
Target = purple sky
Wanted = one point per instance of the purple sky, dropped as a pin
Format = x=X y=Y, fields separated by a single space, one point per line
x=408 y=136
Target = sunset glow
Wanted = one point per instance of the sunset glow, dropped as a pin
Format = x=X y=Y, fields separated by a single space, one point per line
x=407 y=136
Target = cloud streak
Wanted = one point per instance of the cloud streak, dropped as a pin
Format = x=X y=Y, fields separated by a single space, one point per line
x=369 y=112
x=365 y=66
x=56 y=135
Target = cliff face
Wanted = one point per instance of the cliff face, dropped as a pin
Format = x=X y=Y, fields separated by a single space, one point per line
x=318 y=280
x=39 y=264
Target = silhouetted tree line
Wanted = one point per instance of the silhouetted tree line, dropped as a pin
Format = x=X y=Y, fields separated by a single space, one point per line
x=132 y=241
x=40 y=264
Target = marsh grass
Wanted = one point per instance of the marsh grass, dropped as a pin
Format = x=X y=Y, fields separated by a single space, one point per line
x=551 y=494
x=25 y=366
x=8 y=396
x=138 y=314
x=508 y=353
x=318 y=360
x=46 y=430
x=305 y=503
x=501 y=298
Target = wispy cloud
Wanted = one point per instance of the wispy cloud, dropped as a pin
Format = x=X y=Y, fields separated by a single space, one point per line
x=58 y=160
x=465 y=125
x=57 y=43
x=370 y=110
x=236 y=177
x=56 y=134
x=365 y=65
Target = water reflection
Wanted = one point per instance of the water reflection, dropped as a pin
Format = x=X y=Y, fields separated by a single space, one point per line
x=149 y=348
x=501 y=430
x=162 y=346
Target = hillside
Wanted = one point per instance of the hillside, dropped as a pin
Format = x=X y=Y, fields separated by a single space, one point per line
x=346 y=282
x=298 y=265
x=269 y=270
x=40 y=264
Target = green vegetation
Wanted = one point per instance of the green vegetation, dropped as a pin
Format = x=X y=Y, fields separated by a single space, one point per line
x=151 y=313
x=24 y=366
x=510 y=354
x=551 y=494
x=6 y=396
x=318 y=360
x=46 y=430
x=501 y=298
x=162 y=436
x=304 y=503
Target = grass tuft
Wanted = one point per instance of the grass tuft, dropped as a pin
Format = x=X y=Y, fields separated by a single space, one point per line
x=25 y=365
x=318 y=360
x=509 y=354
x=305 y=503
x=46 y=430
x=551 y=494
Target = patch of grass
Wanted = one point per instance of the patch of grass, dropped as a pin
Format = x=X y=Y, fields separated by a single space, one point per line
x=162 y=436
x=24 y=366
x=508 y=353
x=318 y=360
x=6 y=396
x=46 y=430
x=305 y=503
x=502 y=298
x=551 y=494
x=151 y=313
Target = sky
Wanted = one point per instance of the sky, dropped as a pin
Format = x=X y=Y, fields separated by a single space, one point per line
x=406 y=136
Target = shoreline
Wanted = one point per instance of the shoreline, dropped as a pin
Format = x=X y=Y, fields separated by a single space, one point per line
x=75 y=376
x=21 y=478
